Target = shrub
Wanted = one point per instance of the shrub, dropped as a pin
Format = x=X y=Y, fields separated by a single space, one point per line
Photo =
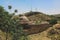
x=53 y=21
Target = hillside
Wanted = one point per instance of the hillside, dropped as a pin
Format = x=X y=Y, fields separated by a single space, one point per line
x=40 y=36
x=37 y=17
x=37 y=32
x=57 y=15
x=52 y=33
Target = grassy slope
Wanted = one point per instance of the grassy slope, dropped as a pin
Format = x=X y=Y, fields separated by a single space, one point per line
x=3 y=36
x=40 y=36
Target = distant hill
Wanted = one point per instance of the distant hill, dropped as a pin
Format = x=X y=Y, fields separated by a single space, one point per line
x=37 y=16
x=57 y=15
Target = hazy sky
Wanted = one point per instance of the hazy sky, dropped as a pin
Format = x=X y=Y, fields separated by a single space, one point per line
x=45 y=6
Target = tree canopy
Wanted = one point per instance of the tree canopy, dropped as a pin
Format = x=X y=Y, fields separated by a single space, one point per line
x=9 y=25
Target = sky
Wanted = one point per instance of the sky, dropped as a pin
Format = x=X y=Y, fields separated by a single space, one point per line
x=45 y=6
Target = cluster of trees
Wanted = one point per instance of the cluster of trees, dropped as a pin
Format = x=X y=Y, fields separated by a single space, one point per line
x=11 y=25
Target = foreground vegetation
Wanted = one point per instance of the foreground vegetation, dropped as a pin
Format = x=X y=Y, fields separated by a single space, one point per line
x=10 y=26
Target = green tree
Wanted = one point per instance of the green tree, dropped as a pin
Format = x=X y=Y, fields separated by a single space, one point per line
x=16 y=11
x=10 y=25
x=1 y=9
x=53 y=21
x=9 y=7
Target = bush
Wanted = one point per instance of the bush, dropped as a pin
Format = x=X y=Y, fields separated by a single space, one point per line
x=53 y=21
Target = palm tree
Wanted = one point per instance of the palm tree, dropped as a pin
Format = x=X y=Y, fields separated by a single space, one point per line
x=10 y=7
x=15 y=11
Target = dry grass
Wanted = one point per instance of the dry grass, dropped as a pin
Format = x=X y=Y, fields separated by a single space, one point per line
x=3 y=36
x=40 y=36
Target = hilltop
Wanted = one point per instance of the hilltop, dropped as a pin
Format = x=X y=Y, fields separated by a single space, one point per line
x=37 y=17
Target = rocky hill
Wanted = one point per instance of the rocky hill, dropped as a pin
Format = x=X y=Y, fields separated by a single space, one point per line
x=37 y=17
